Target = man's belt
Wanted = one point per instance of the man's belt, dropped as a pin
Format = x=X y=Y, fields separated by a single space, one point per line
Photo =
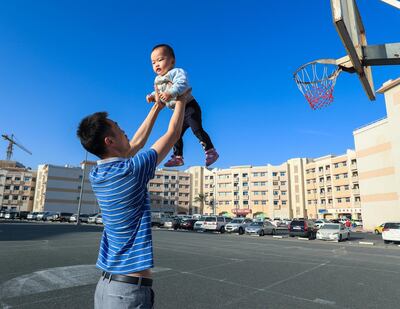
x=128 y=279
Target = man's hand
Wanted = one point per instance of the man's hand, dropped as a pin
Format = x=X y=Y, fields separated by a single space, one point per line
x=150 y=98
x=165 y=96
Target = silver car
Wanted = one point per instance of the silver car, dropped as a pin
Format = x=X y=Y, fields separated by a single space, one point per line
x=333 y=231
x=238 y=225
x=198 y=226
x=261 y=228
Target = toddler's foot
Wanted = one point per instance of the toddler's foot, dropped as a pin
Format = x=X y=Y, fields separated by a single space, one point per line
x=174 y=161
x=211 y=156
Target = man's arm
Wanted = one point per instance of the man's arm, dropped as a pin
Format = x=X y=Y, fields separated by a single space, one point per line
x=163 y=145
x=142 y=134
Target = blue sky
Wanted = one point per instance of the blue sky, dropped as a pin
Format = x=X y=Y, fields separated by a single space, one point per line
x=62 y=60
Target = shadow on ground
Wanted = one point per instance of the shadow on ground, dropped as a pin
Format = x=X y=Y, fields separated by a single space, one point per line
x=36 y=231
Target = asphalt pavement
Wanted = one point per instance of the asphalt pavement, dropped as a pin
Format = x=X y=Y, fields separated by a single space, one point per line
x=52 y=266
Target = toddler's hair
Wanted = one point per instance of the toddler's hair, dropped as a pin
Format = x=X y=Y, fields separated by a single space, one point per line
x=167 y=48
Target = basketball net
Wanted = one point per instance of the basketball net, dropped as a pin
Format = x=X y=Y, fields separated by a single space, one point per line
x=316 y=81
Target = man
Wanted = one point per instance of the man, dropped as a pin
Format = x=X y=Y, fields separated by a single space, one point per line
x=119 y=182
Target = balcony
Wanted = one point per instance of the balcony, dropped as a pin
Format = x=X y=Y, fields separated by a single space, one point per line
x=356 y=191
x=354 y=178
x=353 y=166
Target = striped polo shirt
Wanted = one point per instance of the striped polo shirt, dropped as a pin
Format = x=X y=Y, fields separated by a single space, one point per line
x=120 y=186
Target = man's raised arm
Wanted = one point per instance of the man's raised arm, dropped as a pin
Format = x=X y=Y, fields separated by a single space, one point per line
x=163 y=145
x=142 y=134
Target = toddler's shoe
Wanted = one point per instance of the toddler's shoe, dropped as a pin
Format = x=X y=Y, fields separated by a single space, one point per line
x=174 y=161
x=211 y=156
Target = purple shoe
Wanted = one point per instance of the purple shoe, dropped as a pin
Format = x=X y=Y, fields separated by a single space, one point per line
x=174 y=161
x=211 y=156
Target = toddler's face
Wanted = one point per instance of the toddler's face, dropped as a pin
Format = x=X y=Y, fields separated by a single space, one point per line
x=161 y=61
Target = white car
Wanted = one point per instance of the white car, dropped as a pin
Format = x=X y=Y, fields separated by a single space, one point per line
x=215 y=223
x=198 y=226
x=238 y=225
x=333 y=231
x=92 y=219
x=391 y=232
x=321 y=222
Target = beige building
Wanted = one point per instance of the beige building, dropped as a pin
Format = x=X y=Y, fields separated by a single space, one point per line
x=378 y=159
x=332 y=187
x=58 y=189
x=244 y=190
x=17 y=186
x=170 y=191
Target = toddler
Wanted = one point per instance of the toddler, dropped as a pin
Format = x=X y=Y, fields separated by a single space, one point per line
x=170 y=83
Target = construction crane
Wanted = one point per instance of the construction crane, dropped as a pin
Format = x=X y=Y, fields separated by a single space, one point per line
x=11 y=143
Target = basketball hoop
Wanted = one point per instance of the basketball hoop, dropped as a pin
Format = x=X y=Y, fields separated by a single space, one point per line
x=316 y=81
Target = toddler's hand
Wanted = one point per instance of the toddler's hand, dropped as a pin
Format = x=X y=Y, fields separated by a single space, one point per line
x=165 y=96
x=150 y=98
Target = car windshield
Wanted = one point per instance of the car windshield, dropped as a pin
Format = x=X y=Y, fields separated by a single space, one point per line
x=237 y=221
x=297 y=223
x=256 y=224
x=395 y=226
x=330 y=227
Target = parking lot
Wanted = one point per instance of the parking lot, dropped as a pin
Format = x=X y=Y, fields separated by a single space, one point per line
x=45 y=265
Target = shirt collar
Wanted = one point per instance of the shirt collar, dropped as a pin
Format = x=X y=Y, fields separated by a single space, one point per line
x=108 y=160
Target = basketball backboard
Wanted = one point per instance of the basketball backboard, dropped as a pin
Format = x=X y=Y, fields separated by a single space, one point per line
x=348 y=23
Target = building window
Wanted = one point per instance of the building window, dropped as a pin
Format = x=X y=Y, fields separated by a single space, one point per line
x=263 y=202
x=275 y=203
x=283 y=173
x=262 y=174
x=344 y=163
x=345 y=175
x=283 y=183
x=16 y=188
x=276 y=192
x=24 y=198
x=347 y=199
x=274 y=173
x=337 y=176
x=283 y=192
x=283 y=202
x=336 y=165
x=245 y=184
x=17 y=178
x=245 y=193
x=7 y=187
x=339 y=200
x=245 y=202
x=27 y=178
x=255 y=202
x=15 y=197
x=337 y=188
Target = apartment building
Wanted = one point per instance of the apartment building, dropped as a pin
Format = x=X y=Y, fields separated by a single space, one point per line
x=332 y=187
x=170 y=191
x=245 y=190
x=378 y=158
x=197 y=187
x=17 y=186
x=58 y=189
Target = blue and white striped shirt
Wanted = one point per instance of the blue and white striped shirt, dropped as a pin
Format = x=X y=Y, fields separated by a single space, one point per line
x=120 y=186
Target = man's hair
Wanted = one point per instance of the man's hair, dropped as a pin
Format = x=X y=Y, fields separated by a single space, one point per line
x=92 y=130
x=167 y=48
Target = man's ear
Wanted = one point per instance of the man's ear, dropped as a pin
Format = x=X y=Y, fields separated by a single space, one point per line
x=108 y=140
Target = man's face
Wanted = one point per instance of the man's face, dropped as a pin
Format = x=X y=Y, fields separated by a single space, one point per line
x=120 y=141
x=162 y=62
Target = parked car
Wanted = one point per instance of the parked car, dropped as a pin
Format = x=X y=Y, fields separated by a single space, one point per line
x=198 y=226
x=188 y=224
x=99 y=219
x=378 y=229
x=82 y=218
x=32 y=216
x=172 y=223
x=92 y=218
x=196 y=216
x=335 y=221
x=276 y=221
x=23 y=215
x=357 y=223
x=333 y=231
x=391 y=232
x=238 y=225
x=64 y=216
x=261 y=228
x=215 y=223
x=158 y=218
x=2 y=214
x=50 y=216
x=320 y=222
x=302 y=228
x=39 y=216
x=11 y=215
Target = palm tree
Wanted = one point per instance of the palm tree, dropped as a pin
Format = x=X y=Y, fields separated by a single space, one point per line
x=200 y=198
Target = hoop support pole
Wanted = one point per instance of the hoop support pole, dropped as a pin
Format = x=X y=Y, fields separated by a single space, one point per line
x=383 y=54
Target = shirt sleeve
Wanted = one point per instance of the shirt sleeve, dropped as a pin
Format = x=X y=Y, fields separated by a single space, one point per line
x=180 y=82
x=145 y=165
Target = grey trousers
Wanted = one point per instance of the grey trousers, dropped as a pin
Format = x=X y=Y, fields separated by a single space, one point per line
x=120 y=295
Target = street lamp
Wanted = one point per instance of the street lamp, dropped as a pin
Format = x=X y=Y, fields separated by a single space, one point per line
x=81 y=192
